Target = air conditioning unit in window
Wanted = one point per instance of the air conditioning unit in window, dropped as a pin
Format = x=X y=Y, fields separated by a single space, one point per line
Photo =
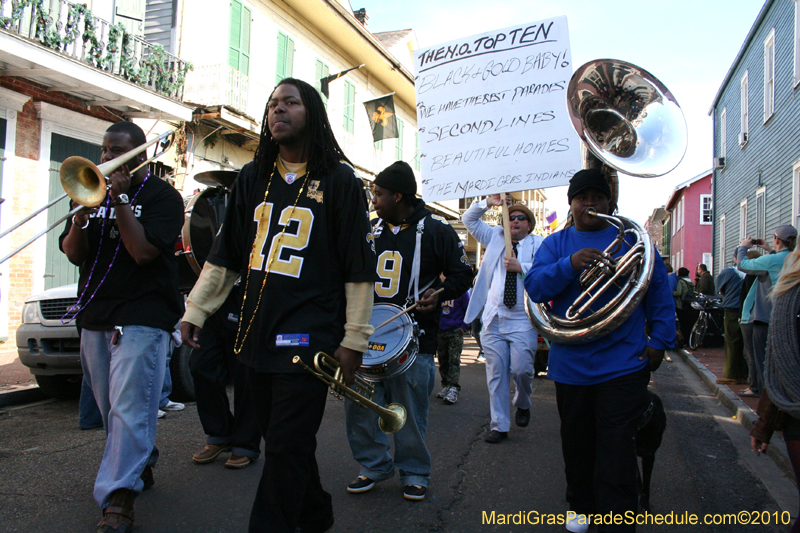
x=719 y=163
x=743 y=138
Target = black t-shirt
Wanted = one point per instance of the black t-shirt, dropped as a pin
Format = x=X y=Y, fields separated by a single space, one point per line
x=138 y=295
x=441 y=251
x=326 y=243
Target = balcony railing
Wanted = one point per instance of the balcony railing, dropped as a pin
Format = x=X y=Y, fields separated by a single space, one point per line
x=218 y=85
x=73 y=30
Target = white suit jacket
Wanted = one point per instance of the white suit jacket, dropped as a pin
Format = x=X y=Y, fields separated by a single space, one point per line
x=493 y=240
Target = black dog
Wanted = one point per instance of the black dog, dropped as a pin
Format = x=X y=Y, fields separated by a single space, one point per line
x=648 y=440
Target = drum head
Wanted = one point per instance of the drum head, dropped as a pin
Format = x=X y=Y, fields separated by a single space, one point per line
x=202 y=219
x=213 y=178
x=392 y=348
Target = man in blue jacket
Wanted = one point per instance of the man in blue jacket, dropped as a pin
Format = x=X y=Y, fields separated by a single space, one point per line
x=601 y=384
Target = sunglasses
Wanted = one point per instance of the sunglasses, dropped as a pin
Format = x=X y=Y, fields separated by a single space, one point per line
x=517 y=217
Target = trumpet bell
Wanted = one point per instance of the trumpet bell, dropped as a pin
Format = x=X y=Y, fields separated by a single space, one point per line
x=627 y=117
x=83 y=181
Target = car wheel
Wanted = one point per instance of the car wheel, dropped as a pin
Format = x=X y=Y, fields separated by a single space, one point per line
x=182 y=382
x=65 y=387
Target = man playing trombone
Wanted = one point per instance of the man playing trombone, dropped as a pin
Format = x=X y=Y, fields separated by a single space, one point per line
x=127 y=306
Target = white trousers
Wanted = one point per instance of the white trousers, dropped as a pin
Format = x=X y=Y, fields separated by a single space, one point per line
x=508 y=356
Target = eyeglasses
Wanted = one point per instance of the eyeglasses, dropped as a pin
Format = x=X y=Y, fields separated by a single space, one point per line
x=518 y=217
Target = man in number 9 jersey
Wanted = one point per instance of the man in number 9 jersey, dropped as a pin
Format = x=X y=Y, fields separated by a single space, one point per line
x=407 y=229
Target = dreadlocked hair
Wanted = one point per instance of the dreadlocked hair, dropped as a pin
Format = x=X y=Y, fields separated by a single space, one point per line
x=321 y=149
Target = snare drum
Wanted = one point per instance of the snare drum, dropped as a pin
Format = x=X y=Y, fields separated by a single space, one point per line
x=392 y=348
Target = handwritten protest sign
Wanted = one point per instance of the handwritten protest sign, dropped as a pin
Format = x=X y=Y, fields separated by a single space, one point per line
x=492 y=113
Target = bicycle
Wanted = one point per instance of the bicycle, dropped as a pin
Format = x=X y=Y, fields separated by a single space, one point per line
x=708 y=306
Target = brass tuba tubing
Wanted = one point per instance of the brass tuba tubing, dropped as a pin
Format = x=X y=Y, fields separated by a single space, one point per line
x=391 y=418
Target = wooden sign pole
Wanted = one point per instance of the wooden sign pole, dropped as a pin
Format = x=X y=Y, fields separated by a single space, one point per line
x=506 y=224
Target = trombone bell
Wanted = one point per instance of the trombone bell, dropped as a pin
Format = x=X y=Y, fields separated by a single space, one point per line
x=82 y=181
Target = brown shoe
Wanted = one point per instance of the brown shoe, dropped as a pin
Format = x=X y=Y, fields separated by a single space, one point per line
x=118 y=516
x=237 y=461
x=209 y=453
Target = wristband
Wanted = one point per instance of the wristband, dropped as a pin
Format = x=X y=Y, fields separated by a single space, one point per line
x=76 y=224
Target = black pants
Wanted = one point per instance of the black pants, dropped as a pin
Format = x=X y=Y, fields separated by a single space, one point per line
x=213 y=365
x=289 y=408
x=598 y=432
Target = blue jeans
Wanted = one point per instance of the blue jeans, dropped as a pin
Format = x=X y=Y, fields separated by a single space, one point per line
x=370 y=445
x=166 y=388
x=126 y=379
x=89 y=416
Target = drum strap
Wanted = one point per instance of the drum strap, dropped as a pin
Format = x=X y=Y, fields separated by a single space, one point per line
x=413 y=282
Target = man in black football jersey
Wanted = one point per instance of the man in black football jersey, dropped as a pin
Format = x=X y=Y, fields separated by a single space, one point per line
x=297 y=233
x=407 y=233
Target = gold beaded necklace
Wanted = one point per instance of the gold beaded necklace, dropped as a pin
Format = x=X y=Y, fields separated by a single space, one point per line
x=238 y=345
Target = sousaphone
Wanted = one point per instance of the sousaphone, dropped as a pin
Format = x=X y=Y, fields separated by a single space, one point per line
x=631 y=123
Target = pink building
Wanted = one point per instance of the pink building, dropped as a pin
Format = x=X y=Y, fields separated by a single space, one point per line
x=691 y=223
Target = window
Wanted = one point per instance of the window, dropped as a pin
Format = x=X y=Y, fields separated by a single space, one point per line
x=796 y=42
x=285 y=63
x=723 y=133
x=708 y=261
x=796 y=194
x=239 y=38
x=398 y=147
x=744 y=114
x=769 y=75
x=706 y=209
x=349 y=106
x=416 y=152
x=321 y=71
x=723 y=255
x=761 y=213
x=743 y=220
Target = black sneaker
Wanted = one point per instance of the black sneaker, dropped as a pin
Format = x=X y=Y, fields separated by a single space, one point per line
x=522 y=417
x=147 y=477
x=360 y=484
x=414 y=492
x=494 y=436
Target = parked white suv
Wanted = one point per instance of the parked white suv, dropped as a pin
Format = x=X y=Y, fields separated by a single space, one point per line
x=52 y=350
x=49 y=348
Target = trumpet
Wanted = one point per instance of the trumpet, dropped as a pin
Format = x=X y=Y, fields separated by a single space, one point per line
x=86 y=184
x=391 y=418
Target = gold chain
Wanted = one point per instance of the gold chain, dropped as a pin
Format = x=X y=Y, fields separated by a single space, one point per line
x=238 y=345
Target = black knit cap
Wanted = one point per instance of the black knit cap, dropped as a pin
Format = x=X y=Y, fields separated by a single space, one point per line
x=398 y=177
x=585 y=179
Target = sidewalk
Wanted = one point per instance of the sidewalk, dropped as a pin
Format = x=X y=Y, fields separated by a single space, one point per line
x=17 y=384
x=707 y=364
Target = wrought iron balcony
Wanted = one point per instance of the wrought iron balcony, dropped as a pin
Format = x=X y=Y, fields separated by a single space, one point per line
x=73 y=30
x=220 y=85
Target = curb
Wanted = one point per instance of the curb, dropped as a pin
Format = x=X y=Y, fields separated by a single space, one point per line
x=19 y=394
x=746 y=417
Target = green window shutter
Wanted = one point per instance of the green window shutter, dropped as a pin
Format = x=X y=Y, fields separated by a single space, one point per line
x=235 y=36
x=244 y=63
x=321 y=71
x=285 y=62
x=379 y=145
x=398 y=147
x=349 y=106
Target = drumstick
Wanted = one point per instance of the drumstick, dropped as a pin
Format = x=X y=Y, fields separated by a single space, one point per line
x=404 y=311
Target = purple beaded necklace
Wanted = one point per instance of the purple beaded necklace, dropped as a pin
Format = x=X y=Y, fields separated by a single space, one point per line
x=66 y=319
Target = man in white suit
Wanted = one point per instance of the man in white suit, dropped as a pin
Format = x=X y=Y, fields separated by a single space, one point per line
x=507 y=336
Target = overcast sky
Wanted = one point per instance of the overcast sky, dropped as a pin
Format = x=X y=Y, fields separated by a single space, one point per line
x=687 y=44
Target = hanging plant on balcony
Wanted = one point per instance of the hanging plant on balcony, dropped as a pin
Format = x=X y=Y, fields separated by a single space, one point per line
x=115 y=35
x=159 y=67
x=71 y=29
x=93 y=56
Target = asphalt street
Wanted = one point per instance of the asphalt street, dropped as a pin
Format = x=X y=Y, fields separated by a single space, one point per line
x=48 y=465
